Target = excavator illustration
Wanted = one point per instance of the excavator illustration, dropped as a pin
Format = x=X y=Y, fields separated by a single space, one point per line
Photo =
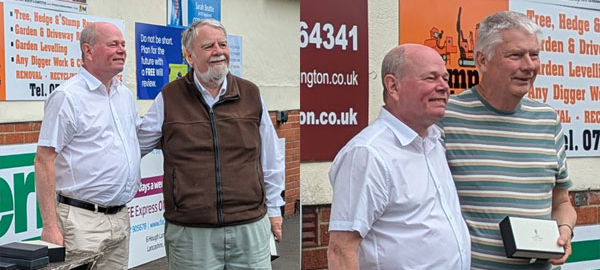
x=465 y=46
x=445 y=48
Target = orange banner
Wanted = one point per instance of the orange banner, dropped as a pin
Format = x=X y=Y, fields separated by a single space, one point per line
x=449 y=27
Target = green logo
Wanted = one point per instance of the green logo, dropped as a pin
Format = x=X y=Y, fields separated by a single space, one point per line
x=13 y=201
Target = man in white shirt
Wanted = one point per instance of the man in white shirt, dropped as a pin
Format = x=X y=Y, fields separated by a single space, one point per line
x=224 y=169
x=394 y=202
x=88 y=155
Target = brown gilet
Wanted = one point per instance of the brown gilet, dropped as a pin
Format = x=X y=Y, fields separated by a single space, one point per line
x=212 y=169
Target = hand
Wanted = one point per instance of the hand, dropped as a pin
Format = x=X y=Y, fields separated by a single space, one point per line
x=564 y=240
x=52 y=235
x=276 y=227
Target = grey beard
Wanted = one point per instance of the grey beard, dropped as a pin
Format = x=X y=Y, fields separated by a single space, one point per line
x=214 y=77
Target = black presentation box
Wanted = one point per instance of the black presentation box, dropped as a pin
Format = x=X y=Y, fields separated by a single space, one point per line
x=530 y=238
x=56 y=253
x=23 y=251
x=26 y=263
x=7 y=266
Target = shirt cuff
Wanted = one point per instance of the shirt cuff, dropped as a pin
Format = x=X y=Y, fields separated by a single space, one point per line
x=274 y=211
x=357 y=226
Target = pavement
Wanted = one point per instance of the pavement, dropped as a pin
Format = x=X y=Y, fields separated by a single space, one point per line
x=289 y=249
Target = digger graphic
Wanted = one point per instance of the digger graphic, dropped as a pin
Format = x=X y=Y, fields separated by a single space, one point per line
x=446 y=48
x=465 y=46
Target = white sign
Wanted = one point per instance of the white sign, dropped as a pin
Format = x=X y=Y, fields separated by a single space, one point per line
x=41 y=50
x=75 y=6
x=146 y=210
x=20 y=218
x=235 y=54
x=569 y=74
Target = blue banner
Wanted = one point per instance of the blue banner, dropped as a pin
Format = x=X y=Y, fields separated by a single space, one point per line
x=203 y=9
x=157 y=48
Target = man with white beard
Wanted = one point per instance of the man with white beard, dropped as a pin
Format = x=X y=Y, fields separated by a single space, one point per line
x=223 y=167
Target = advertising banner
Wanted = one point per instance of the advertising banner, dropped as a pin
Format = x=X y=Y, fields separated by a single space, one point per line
x=157 y=48
x=569 y=56
x=201 y=9
x=146 y=210
x=334 y=85
x=569 y=76
x=181 y=13
x=75 y=6
x=586 y=248
x=450 y=28
x=160 y=59
x=39 y=49
x=20 y=217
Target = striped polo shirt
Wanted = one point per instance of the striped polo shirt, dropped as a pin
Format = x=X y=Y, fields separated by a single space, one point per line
x=503 y=164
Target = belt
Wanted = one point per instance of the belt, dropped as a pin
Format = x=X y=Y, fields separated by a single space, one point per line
x=111 y=210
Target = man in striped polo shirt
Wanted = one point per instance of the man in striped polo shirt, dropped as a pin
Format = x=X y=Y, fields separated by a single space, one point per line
x=506 y=151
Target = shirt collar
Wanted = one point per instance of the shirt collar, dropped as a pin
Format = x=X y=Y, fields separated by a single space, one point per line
x=93 y=83
x=203 y=90
x=477 y=94
x=405 y=134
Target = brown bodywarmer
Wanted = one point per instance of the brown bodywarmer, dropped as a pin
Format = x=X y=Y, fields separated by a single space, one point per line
x=212 y=169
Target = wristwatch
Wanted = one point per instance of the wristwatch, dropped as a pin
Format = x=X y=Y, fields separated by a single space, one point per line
x=570 y=227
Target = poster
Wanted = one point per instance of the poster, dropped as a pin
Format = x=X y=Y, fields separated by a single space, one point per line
x=146 y=210
x=449 y=27
x=235 y=54
x=569 y=56
x=194 y=10
x=74 y=6
x=334 y=84
x=181 y=13
x=569 y=76
x=160 y=59
x=156 y=48
x=40 y=49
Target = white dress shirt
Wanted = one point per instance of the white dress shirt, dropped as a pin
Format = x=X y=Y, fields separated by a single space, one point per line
x=94 y=135
x=273 y=162
x=395 y=189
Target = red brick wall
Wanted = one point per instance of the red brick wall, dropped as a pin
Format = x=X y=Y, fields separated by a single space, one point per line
x=291 y=132
x=587 y=206
x=315 y=236
x=28 y=132
x=315 y=220
x=18 y=133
